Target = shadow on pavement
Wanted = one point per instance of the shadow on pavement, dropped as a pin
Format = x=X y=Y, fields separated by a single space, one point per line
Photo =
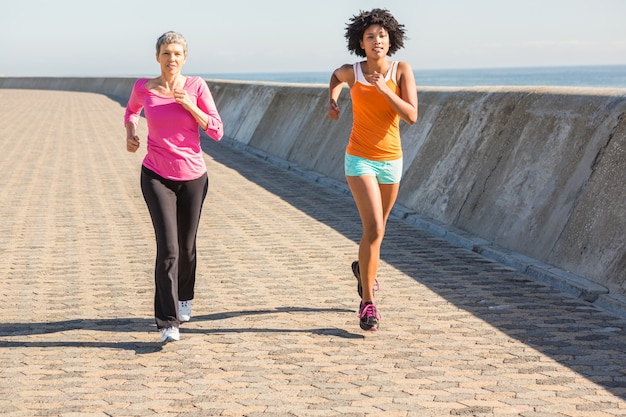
x=140 y=325
x=573 y=332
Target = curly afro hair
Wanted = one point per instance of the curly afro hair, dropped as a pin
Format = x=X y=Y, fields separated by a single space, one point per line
x=382 y=17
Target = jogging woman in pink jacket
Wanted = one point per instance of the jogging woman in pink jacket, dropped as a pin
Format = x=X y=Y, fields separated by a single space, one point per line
x=174 y=178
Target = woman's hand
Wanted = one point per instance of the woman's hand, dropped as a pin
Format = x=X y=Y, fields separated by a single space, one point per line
x=132 y=143
x=378 y=80
x=181 y=97
x=333 y=110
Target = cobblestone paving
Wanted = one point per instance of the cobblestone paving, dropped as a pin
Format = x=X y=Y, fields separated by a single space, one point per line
x=274 y=330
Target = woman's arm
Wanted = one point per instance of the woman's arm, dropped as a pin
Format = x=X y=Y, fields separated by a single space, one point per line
x=341 y=75
x=131 y=117
x=205 y=111
x=132 y=140
x=405 y=104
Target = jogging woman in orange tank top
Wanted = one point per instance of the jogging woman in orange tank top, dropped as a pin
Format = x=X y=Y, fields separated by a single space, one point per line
x=383 y=93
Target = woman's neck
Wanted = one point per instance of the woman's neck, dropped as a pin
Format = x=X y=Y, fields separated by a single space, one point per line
x=380 y=66
x=172 y=81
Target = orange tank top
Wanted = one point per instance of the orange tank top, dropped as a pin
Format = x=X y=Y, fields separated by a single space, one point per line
x=375 y=129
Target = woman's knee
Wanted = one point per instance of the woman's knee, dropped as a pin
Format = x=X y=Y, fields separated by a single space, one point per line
x=374 y=231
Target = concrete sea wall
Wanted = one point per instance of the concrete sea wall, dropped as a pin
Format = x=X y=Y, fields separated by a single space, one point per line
x=534 y=177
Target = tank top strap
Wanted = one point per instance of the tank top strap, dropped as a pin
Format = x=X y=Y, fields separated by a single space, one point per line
x=358 y=73
x=391 y=73
x=394 y=72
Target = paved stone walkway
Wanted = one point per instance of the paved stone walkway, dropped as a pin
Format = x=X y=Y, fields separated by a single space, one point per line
x=274 y=330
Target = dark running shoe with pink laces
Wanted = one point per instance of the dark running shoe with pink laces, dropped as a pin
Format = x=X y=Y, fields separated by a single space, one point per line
x=368 y=316
x=357 y=274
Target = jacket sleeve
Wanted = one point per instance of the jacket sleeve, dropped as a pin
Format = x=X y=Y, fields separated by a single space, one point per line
x=135 y=105
x=215 y=127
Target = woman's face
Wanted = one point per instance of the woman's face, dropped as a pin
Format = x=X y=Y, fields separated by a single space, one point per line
x=171 y=57
x=375 y=41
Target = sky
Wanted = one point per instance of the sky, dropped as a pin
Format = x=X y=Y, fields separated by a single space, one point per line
x=117 y=38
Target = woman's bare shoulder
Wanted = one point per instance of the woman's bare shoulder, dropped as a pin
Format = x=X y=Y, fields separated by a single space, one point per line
x=345 y=73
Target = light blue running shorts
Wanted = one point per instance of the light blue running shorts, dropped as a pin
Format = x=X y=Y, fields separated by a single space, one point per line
x=386 y=172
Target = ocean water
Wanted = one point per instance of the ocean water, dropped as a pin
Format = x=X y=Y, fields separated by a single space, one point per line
x=613 y=76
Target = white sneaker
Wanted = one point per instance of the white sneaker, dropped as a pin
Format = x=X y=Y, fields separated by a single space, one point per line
x=169 y=334
x=184 y=310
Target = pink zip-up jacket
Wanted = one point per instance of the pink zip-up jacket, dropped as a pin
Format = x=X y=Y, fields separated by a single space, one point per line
x=173 y=145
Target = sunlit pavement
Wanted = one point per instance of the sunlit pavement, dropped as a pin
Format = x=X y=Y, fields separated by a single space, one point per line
x=274 y=329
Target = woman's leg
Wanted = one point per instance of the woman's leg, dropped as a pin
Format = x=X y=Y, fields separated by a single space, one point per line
x=190 y=200
x=367 y=197
x=160 y=198
x=389 y=195
x=374 y=202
